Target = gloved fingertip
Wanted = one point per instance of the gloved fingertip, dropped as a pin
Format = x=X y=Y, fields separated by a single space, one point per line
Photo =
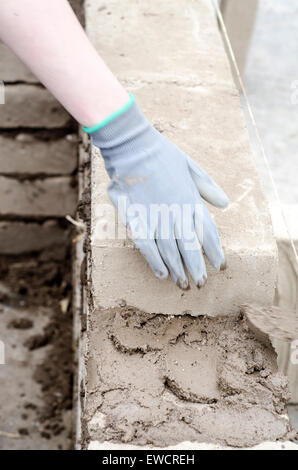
x=161 y=274
x=201 y=282
x=216 y=196
x=223 y=266
x=223 y=202
x=220 y=265
x=183 y=284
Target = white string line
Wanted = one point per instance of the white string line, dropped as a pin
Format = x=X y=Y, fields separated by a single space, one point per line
x=230 y=49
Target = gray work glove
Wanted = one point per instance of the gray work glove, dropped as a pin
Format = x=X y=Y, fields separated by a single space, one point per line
x=148 y=172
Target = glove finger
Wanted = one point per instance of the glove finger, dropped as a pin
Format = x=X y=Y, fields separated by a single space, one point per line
x=150 y=252
x=211 y=242
x=170 y=254
x=133 y=221
x=208 y=189
x=192 y=255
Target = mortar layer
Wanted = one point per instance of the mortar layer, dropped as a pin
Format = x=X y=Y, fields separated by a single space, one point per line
x=159 y=380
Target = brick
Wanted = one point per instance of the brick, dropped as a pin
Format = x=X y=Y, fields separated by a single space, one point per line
x=12 y=69
x=17 y=238
x=49 y=197
x=151 y=41
x=28 y=155
x=31 y=106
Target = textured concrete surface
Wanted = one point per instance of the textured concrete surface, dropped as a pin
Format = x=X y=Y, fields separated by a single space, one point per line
x=188 y=93
x=19 y=237
x=50 y=197
x=128 y=36
x=28 y=155
x=31 y=106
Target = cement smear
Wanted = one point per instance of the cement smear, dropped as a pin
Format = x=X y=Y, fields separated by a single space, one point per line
x=158 y=380
x=272 y=322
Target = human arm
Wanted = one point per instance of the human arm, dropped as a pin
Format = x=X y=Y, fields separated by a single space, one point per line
x=145 y=168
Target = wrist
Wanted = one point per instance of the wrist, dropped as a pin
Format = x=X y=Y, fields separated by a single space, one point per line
x=111 y=116
x=129 y=129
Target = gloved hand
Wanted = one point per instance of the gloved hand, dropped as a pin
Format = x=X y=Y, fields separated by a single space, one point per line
x=148 y=172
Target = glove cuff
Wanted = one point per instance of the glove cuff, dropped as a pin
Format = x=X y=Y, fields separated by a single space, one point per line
x=127 y=132
x=90 y=130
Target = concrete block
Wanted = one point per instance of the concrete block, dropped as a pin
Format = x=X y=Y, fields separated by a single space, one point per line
x=49 y=197
x=12 y=69
x=17 y=238
x=207 y=124
x=28 y=155
x=31 y=106
x=156 y=41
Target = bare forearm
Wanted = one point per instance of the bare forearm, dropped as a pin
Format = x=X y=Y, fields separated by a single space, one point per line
x=48 y=38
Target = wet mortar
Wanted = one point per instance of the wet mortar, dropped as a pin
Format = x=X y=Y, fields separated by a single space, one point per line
x=158 y=380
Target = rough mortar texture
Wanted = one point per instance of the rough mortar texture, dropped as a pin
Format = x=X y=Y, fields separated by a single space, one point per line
x=157 y=380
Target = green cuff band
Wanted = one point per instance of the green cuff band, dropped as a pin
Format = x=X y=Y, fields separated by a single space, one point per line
x=90 y=130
